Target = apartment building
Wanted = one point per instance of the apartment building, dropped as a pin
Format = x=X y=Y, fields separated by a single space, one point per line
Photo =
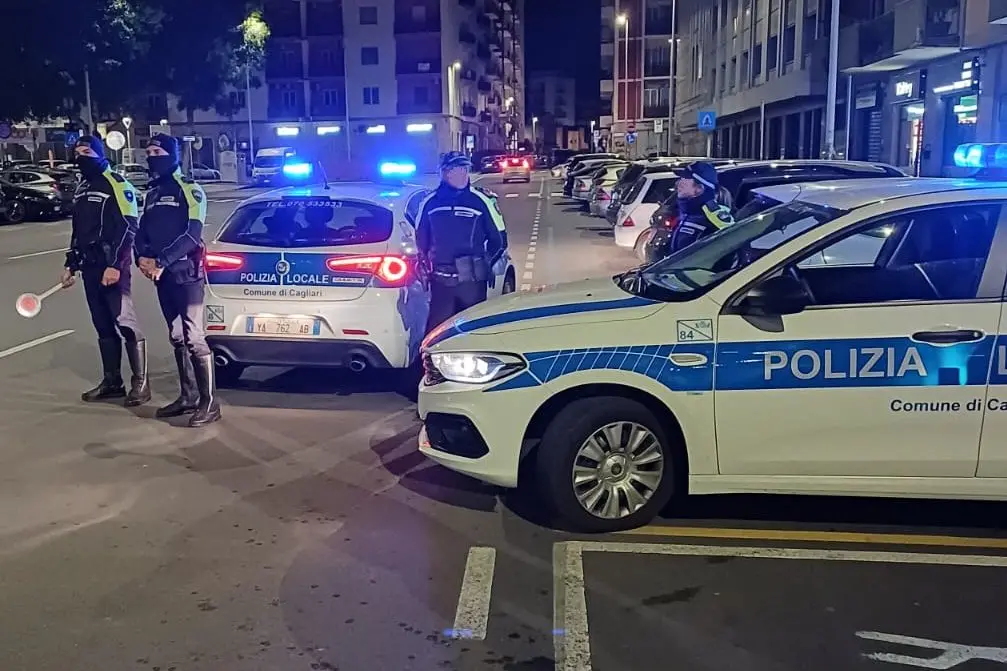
x=354 y=82
x=552 y=99
x=636 y=76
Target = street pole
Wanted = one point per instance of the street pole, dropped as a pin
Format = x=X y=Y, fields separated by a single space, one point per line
x=830 y=102
x=849 y=115
x=346 y=98
x=762 y=130
x=616 y=98
x=593 y=147
x=672 y=66
x=87 y=96
x=248 y=105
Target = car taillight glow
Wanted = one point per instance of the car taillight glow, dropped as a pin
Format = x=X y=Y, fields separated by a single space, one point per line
x=390 y=269
x=223 y=262
x=503 y=164
x=603 y=195
x=524 y=164
x=629 y=222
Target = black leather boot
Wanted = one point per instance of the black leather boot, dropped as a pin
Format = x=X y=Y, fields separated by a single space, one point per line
x=188 y=397
x=208 y=410
x=111 y=365
x=139 y=383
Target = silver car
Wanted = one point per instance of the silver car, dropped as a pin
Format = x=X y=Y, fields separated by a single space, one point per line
x=601 y=192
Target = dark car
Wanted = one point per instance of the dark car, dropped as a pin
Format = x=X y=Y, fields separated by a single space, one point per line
x=489 y=161
x=638 y=169
x=739 y=182
x=583 y=168
x=44 y=194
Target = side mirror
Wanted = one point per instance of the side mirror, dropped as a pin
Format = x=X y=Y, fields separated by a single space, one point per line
x=781 y=295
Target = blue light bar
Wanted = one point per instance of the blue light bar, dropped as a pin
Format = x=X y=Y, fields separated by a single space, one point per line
x=397 y=169
x=297 y=170
x=981 y=155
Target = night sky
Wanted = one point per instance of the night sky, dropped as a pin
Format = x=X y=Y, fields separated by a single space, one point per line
x=565 y=35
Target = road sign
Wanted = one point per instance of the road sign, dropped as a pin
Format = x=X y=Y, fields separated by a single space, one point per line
x=707 y=120
x=4 y=130
x=160 y=130
x=71 y=138
x=115 y=140
x=658 y=125
x=631 y=137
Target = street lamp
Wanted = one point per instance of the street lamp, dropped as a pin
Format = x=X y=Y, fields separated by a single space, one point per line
x=593 y=148
x=127 y=122
x=534 y=132
x=453 y=87
x=254 y=33
x=622 y=20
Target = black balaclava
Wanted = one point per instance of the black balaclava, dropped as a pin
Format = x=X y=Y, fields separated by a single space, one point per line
x=92 y=166
x=162 y=166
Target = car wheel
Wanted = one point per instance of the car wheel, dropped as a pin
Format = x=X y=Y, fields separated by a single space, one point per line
x=605 y=464
x=228 y=376
x=640 y=248
x=509 y=284
x=16 y=212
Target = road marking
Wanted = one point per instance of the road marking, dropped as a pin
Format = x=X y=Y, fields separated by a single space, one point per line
x=474 y=600
x=28 y=256
x=525 y=287
x=820 y=537
x=557 y=194
x=531 y=255
x=527 y=276
x=534 y=195
x=953 y=654
x=529 y=265
x=34 y=343
x=511 y=195
x=571 y=640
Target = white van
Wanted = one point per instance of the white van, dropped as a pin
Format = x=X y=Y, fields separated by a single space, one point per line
x=268 y=166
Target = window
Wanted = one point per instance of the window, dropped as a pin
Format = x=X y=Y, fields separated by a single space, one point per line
x=660 y=190
x=237 y=99
x=289 y=98
x=308 y=223
x=937 y=254
x=331 y=98
x=743 y=73
x=773 y=52
x=734 y=73
x=368 y=55
x=757 y=61
x=372 y=95
x=809 y=36
x=368 y=16
x=421 y=95
x=419 y=13
x=789 y=37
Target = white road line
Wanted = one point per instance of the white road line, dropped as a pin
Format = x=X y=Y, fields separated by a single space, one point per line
x=525 y=287
x=529 y=265
x=534 y=195
x=531 y=256
x=556 y=193
x=541 y=187
x=28 y=256
x=474 y=600
x=571 y=640
x=511 y=195
x=527 y=276
x=34 y=343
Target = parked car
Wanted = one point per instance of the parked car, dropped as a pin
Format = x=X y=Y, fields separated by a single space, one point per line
x=601 y=192
x=135 y=174
x=639 y=204
x=21 y=202
x=742 y=189
x=585 y=168
x=639 y=168
x=203 y=173
x=583 y=185
x=490 y=161
x=55 y=188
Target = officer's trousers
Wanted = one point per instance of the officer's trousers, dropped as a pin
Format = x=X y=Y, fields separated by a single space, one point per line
x=182 y=307
x=447 y=300
x=111 y=307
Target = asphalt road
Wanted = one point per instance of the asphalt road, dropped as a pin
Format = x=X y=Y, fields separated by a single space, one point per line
x=306 y=532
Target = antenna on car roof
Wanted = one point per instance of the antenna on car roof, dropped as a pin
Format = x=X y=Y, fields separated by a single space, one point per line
x=325 y=178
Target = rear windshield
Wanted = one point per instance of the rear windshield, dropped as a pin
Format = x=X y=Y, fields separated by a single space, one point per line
x=298 y=222
x=268 y=161
x=632 y=173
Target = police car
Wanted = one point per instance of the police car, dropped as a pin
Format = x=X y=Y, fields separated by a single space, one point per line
x=322 y=276
x=735 y=366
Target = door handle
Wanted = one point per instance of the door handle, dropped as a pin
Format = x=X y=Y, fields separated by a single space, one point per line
x=688 y=359
x=948 y=337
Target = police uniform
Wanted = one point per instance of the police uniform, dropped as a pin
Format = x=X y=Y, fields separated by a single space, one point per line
x=458 y=237
x=171 y=233
x=700 y=216
x=103 y=225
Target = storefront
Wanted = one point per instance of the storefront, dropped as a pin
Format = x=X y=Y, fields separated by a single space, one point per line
x=865 y=142
x=909 y=98
x=956 y=86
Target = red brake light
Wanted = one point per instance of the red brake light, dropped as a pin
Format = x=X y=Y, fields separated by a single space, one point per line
x=391 y=269
x=503 y=164
x=629 y=222
x=603 y=195
x=524 y=164
x=223 y=262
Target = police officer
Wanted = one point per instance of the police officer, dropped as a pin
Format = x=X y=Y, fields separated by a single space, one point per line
x=459 y=240
x=170 y=251
x=103 y=225
x=699 y=212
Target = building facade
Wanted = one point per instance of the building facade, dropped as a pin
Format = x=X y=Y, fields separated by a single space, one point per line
x=552 y=101
x=636 y=74
x=354 y=82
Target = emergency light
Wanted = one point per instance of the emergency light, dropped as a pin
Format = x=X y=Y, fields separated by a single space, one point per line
x=992 y=155
x=297 y=170
x=397 y=169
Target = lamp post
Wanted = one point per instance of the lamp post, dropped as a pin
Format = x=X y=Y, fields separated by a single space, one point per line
x=593 y=148
x=534 y=133
x=830 y=94
x=622 y=20
x=254 y=33
x=672 y=93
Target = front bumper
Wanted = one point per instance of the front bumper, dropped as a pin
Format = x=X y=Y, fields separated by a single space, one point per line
x=465 y=431
x=268 y=351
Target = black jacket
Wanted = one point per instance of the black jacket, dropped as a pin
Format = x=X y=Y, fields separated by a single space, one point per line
x=699 y=218
x=104 y=223
x=454 y=224
x=171 y=228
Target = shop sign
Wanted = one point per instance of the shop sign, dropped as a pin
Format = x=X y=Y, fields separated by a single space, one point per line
x=910 y=87
x=968 y=79
x=867 y=98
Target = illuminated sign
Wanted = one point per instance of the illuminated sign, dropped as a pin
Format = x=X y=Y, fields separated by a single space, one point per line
x=904 y=89
x=910 y=87
x=968 y=80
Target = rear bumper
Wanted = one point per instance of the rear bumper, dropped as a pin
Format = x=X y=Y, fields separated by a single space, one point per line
x=328 y=353
x=517 y=174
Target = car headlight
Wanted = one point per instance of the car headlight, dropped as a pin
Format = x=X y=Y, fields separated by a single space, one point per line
x=475 y=367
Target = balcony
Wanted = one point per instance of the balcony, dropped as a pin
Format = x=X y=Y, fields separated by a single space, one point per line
x=485 y=116
x=495 y=42
x=468 y=74
x=429 y=107
x=493 y=71
x=469 y=110
x=413 y=66
x=484 y=85
x=406 y=24
x=657 y=69
x=483 y=51
x=325 y=18
x=914 y=31
x=466 y=36
x=283 y=18
x=284 y=65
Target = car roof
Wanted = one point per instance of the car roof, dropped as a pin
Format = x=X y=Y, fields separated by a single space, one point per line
x=849 y=194
x=865 y=166
x=389 y=194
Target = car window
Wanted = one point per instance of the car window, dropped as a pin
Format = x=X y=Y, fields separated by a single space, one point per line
x=660 y=189
x=30 y=177
x=308 y=222
x=413 y=205
x=635 y=190
x=938 y=254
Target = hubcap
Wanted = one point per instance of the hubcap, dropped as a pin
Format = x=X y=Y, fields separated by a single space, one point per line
x=617 y=470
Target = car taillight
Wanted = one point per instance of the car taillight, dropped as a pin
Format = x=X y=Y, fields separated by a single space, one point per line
x=602 y=195
x=629 y=222
x=393 y=270
x=503 y=164
x=223 y=262
x=524 y=164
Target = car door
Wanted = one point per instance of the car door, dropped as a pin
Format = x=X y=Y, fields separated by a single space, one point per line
x=993 y=447
x=884 y=371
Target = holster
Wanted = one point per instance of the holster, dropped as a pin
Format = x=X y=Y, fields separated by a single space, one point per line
x=471 y=269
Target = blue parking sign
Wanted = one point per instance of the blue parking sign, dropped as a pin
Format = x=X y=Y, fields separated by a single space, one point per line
x=71 y=138
x=631 y=137
x=707 y=120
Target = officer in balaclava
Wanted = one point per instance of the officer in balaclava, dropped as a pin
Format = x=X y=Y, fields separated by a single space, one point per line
x=170 y=251
x=700 y=214
x=103 y=226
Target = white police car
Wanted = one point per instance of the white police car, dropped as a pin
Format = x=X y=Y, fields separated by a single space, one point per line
x=732 y=366
x=321 y=276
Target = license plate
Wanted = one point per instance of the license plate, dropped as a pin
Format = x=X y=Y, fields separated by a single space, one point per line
x=283 y=326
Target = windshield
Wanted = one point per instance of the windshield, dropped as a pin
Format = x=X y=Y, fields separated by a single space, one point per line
x=308 y=223
x=268 y=161
x=704 y=264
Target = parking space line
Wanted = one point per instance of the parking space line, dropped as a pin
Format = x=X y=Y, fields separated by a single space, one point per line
x=571 y=640
x=34 y=343
x=474 y=600
x=28 y=256
x=820 y=537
